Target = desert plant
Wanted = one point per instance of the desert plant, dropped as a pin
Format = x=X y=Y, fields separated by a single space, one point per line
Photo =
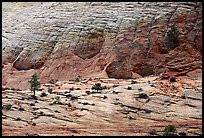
x=57 y=100
x=133 y=82
x=18 y=119
x=88 y=92
x=172 y=79
x=50 y=90
x=169 y=130
x=143 y=95
x=21 y=109
x=71 y=89
x=172 y=38
x=129 y=88
x=43 y=94
x=34 y=83
x=78 y=79
x=140 y=89
x=115 y=85
x=69 y=105
x=7 y=106
x=53 y=81
x=97 y=87
x=183 y=96
x=104 y=87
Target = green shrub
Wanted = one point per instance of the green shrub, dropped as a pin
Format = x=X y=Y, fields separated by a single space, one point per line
x=133 y=82
x=78 y=79
x=7 y=106
x=143 y=95
x=169 y=130
x=97 y=87
x=69 y=105
x=21 y=109
x=140 y=89
x=43 y=94
x=172 y=38
x=53 y=81
x=183 y=96
x=18 y=119
x=34 y=83
x=50 y=90
x=57 y=100
x=71 y=89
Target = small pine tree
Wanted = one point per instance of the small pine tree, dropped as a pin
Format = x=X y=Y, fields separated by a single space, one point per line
x=172 y=38
x=34 y=83
x=170 y=130
x=97 y=87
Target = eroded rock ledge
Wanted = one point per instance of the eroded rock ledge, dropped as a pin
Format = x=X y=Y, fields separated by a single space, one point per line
x=64 y=40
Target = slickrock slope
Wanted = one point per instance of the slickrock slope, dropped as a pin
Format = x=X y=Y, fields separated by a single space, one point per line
x=94 y=39
x=112 y=111
x=114 y=44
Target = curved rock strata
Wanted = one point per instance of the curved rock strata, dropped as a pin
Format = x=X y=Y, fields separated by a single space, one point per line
x=64 y=40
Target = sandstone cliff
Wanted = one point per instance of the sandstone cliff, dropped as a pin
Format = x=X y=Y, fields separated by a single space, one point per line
x=98 y=39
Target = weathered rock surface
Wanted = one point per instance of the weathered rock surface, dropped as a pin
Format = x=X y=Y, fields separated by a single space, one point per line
x=64 y=40
x=114 y=111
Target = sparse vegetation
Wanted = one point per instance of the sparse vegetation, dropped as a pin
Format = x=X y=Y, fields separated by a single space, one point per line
x=7 y=106
x=43 y=94
x=50 y=90
x=153 y=132
x=69 y=105
x=71 y=89
x=78 y=79
x=115 y=85
x=57 y=100
x=140 y=89
x=129 y=88
x=183 y=96
x=53 y=81
x=21 y=109
x=73 y=98
x=170 y=130
x=32 y=104
x=88 y=92
x=152 y=85
x=172 y=79
x=143 y=95
x=34 y=83
x=133 y=82
x=18 y=119
x=34 y=124
x=19 y=89
x=97 y=87
x=172 y=38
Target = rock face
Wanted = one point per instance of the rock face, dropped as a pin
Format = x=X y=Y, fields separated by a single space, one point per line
x=64 y=40
x=119 y=70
